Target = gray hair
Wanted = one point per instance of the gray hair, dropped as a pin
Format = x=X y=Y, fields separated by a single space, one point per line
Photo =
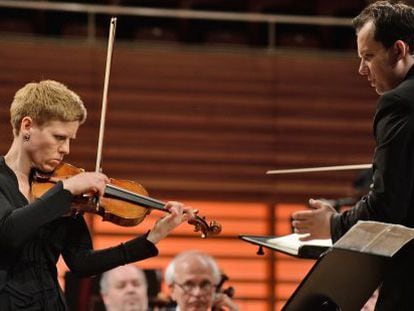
x=207 y=259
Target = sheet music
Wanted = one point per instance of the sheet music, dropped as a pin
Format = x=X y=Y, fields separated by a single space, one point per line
x=291 y=243
x=376 y=238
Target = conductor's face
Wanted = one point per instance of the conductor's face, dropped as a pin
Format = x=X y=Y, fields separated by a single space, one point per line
x=378 y=64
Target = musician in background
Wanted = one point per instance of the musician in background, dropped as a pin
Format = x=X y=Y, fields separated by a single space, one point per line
x=193 y=277
x=124 y=288
x=385 y=40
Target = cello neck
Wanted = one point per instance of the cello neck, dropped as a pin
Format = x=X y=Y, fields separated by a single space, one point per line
x=120 y=193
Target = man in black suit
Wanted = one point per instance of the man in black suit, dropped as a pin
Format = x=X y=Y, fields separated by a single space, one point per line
x=385 y=39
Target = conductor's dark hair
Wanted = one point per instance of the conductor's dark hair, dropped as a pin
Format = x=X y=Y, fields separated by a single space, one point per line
x=392 y=20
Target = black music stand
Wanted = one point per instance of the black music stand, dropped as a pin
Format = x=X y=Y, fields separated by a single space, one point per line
x=306 y=251
x=340 y=280
x=344 y=277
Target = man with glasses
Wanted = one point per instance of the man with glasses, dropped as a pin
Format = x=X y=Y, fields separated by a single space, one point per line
x=192 y=277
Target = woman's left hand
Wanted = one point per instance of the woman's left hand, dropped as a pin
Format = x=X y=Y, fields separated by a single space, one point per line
x=167 y=223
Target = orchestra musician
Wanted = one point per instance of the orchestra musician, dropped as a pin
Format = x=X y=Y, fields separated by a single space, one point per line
x=385 y=40
x=45 y=118
x=124 y=288
x=193 y=277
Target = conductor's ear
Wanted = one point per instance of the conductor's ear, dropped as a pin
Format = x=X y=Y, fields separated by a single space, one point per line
x=399 y=51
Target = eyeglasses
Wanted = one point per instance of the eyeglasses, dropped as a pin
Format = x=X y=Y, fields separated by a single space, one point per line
x=189 y=287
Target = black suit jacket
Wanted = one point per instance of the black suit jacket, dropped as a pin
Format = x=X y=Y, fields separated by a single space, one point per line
x=391 y=199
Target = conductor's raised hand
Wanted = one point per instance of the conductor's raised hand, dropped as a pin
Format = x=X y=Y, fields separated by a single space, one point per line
x=316 y=221
x=166 y=224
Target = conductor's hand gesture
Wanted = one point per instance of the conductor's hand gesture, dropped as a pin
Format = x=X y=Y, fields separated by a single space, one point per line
x=316 y=221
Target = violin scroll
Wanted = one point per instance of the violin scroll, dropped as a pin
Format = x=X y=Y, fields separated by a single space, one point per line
x=227 y=291
x=200 y=225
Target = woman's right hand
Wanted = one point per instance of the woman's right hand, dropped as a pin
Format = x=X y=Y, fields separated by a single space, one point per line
x=86 y=182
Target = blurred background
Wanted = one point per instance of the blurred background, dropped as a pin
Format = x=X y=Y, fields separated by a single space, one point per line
x=205 y=96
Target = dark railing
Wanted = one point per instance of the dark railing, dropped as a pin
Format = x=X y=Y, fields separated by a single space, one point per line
x=271 y=20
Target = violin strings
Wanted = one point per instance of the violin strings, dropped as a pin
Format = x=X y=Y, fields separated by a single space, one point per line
x=134 y=197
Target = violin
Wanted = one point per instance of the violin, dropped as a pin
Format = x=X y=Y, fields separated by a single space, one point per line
x=125 y=203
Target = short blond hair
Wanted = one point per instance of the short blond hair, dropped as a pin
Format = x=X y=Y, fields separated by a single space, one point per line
x=45 y=101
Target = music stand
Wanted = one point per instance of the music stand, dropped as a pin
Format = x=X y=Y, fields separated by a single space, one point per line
x=339 y=280
x=345 y=276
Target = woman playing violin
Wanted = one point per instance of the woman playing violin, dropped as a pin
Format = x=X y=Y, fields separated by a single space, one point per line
x=45 y=118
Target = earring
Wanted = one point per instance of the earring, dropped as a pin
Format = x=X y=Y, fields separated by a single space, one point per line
x=26 y=137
